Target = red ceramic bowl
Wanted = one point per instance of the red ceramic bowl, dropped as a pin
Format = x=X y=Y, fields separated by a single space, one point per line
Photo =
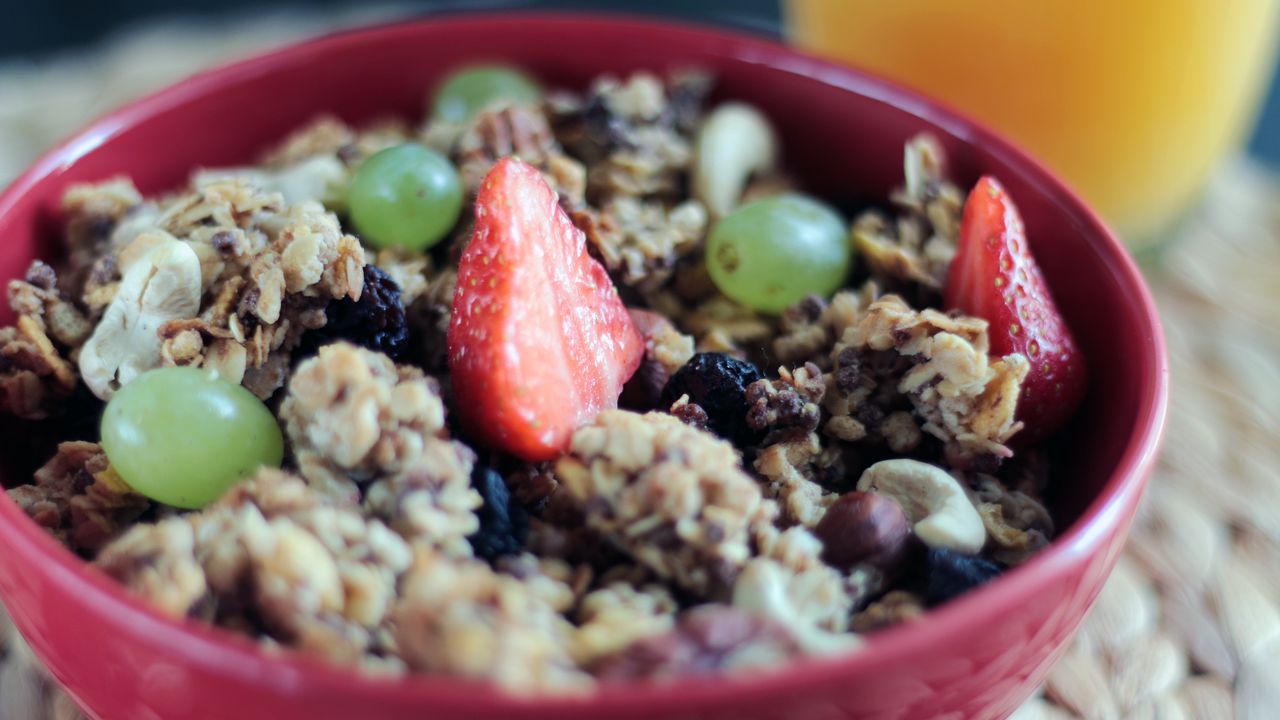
x=843 y=132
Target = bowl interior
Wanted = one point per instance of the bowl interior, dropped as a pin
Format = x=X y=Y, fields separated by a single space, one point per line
x=841 y=143
x=843 y=134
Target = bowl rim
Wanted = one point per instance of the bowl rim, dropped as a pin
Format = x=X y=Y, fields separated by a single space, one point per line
x=226 y=653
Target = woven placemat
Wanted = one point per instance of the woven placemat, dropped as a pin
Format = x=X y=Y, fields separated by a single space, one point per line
x=1188 y=626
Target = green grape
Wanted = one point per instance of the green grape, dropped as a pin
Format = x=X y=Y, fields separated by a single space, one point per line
x=472 y=89
x=405 y=196
x=182 y=437
x=770 y=253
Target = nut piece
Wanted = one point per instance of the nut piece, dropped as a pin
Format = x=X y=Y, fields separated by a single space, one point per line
x=932 y=500
x=162 y=285
x=319 y=177
x=735 y=142
x=765 y=588
x=666 y=349
x=864 y=527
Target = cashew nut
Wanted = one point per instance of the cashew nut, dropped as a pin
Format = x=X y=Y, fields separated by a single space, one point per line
x=734 y=142
x=322 y=178
x=933 y=501
x=142 y=218
x=762 y=589
x=162 y=285
x=142 y=243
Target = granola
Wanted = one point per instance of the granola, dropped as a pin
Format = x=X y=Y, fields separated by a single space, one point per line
x=706 y=639
x=366 y=430
x=918 y=246
x=673 y=497
x=392 y=540
x=266 y=271
x=322 y=577
x=79 y=499
x=462 y=618
x=940 y=365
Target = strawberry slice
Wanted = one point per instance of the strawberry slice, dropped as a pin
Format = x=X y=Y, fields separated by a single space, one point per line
x=539 y=342
x=995 y=277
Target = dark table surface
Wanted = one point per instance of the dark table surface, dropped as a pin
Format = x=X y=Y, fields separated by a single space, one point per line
x=38 y=28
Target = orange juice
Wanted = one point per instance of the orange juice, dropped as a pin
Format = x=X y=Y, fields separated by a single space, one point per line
x=1131 y=101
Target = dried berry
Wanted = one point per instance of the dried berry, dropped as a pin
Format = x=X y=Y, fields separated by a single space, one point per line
x=375 y=321
x=951 y=574
x=504 y=524
x=718 y=383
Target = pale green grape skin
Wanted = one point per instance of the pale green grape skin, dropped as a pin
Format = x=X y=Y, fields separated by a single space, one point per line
x=770 y=253
x=406 y=196
x=467 y=91
x=182 y=437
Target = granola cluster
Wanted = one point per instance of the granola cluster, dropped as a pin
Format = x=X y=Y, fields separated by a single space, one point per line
x=79 y=498
x=36 y=372
x=225 y=276
x=940 y=364
x=635 y=136
x=276 y=558
x=367 y=431
x=917 y=246
x=652 y=548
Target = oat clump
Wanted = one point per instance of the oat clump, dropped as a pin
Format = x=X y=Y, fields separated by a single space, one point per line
x=366 y=430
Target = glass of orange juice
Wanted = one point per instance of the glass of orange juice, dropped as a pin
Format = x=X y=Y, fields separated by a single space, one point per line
x=1133 y=102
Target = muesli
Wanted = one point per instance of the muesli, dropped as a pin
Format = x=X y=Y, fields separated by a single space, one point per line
x=552 y=389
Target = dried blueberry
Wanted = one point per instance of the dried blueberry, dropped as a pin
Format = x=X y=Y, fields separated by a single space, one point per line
x=951 y=574
x=504 y=524
x=376 y=320
x=718 y=384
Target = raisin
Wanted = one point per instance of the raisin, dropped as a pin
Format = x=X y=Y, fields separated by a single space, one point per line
x=504 y=523
x=375 y=321
x=951 y=574
x=718 y=384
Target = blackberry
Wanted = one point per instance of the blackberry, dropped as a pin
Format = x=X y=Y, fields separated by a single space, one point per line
x=951 y=574
x=718 y=384
x=504 y=523
x=375 y=321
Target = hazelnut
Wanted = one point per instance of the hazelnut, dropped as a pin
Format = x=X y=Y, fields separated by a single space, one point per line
x=666 y=349
x=938 y=508
x=864 y=527
x=643 y=391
